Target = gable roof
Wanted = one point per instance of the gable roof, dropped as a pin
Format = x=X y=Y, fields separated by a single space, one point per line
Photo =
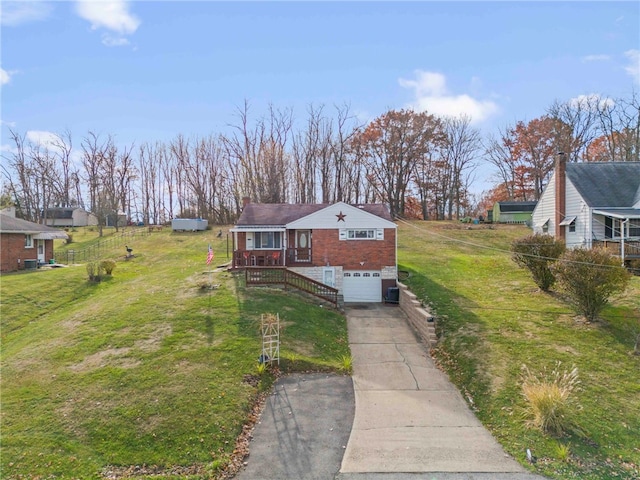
x=606 y=184
x=281 y=214
x=10 y=224
x=343 y=216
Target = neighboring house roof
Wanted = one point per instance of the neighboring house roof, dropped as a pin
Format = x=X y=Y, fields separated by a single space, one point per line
x=59 y=212
x=606 y=184
x=281 y=214
x=512 y=206
x=17 y=225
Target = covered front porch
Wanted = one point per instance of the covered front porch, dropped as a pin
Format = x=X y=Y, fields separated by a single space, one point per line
x=271 y=247
x=627 y=249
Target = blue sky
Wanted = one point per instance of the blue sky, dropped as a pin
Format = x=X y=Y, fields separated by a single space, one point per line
x=146 y=71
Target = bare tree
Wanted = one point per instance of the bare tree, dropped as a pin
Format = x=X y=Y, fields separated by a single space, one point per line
x=580 y=116
x=259 y=153
x=619 y=131
x=462 y=142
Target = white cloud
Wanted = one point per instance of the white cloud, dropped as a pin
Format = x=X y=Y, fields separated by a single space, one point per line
x=591 y=101
x=43 y=138
x=596 y=58
x=633 y=68
x=17 y=13
x=5 y=77
x=7 y=123
x=111 y=41
x=432 y=95
x=112 y=15
x=8 y=148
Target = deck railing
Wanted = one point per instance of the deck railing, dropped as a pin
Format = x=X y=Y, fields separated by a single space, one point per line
x=631 y=247
x=276 y=257
x=288 y=278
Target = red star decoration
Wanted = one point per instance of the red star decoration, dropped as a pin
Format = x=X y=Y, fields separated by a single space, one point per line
x=341 y=216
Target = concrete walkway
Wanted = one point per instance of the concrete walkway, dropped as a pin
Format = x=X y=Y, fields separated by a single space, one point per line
x=409 y=417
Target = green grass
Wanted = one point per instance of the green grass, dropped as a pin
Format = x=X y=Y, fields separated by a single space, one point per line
x=144 y=367
x=492 y=319
x=147 y=367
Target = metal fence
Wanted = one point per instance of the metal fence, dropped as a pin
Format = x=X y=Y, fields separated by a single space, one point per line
x=97 y=251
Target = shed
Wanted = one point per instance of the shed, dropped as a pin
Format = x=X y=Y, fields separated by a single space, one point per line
x=513 y=212
x=188 y=224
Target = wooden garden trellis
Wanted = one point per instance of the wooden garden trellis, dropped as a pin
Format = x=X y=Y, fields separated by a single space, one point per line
x=270 y=329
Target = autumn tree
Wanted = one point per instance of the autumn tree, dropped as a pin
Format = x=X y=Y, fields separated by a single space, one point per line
x=391 y=146
x=525 y=155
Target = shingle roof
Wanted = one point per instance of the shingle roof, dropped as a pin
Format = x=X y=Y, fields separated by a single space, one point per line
x=517 y=206
x=606 y=184
x=280 y=214
x=10 y=224
x=59 y=212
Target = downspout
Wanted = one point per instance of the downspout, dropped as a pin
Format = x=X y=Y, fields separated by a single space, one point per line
x=561 y=195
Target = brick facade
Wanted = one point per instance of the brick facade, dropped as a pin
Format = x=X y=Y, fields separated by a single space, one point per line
x=328 y=249
x=375 y=254
x=14 y=253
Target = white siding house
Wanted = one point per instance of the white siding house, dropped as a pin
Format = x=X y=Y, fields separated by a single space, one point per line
x=601 y=206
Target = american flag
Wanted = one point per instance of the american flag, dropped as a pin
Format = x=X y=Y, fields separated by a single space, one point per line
x=210 y=255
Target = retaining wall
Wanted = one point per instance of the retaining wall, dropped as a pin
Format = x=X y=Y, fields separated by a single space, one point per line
x=419 y=318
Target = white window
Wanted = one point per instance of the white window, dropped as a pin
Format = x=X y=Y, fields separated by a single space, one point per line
x=369 y=234
x=267 y=240
x=28 y=241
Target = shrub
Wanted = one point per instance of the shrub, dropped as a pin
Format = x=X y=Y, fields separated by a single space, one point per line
x=549 y=399
x=537 y=252
x=95 y=271
x=589 y=278
x=108 y=266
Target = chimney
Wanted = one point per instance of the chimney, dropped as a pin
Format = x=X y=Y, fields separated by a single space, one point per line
x=561 y=194
x=246 y=201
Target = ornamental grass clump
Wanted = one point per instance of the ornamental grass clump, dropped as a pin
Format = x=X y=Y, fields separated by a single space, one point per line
x=549 y=398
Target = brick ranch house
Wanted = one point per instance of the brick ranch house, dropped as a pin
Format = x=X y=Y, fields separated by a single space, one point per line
x=24 y=243
x=348 y=247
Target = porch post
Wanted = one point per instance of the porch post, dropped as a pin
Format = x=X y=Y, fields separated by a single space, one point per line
x=623 y=231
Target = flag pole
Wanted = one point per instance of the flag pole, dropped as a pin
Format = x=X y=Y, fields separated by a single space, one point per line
x=210 y=256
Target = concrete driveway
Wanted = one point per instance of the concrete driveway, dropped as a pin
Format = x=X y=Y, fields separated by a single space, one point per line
x=409 y=417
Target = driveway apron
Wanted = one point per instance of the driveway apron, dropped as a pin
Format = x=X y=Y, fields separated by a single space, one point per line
x=409 y=417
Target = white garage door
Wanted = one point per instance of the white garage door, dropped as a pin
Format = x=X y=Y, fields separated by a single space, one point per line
x=362 y=286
